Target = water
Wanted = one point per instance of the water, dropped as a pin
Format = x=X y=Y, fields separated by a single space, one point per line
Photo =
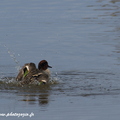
x=80 y=40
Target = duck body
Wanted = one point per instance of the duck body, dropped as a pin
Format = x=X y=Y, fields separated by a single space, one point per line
x=29 y=73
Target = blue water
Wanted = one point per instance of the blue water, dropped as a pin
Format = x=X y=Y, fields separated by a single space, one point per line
x=80 y=40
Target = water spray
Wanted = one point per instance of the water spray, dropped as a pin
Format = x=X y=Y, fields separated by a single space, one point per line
x=12 y=55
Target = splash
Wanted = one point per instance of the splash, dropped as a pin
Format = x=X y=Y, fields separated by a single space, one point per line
x=54 y=78
x=8 y=83
x=12 y=56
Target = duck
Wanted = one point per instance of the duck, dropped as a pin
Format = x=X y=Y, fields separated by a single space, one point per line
x=29 y=73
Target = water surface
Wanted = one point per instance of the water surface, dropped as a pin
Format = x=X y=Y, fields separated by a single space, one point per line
x=80 y=40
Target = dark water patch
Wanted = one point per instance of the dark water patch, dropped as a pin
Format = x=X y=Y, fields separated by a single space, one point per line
x=70 y=83
x=97 y=94
x=78 y=83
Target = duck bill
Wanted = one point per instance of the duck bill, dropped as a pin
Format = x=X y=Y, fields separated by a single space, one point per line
x=49 y=66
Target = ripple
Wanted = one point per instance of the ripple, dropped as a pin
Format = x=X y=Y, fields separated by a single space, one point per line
x=88 y=83
x=70 y=83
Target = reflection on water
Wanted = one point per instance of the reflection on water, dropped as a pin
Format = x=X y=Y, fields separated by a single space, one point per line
x=31 y=98
x=43 y=99
x=114 y=1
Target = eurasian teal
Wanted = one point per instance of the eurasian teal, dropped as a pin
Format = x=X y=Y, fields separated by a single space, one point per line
x=29 y=73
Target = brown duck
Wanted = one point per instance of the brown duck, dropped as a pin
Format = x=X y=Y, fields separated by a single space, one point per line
x=29 y=73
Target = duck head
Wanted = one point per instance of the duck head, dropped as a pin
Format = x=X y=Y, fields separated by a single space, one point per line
x=43 y=65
